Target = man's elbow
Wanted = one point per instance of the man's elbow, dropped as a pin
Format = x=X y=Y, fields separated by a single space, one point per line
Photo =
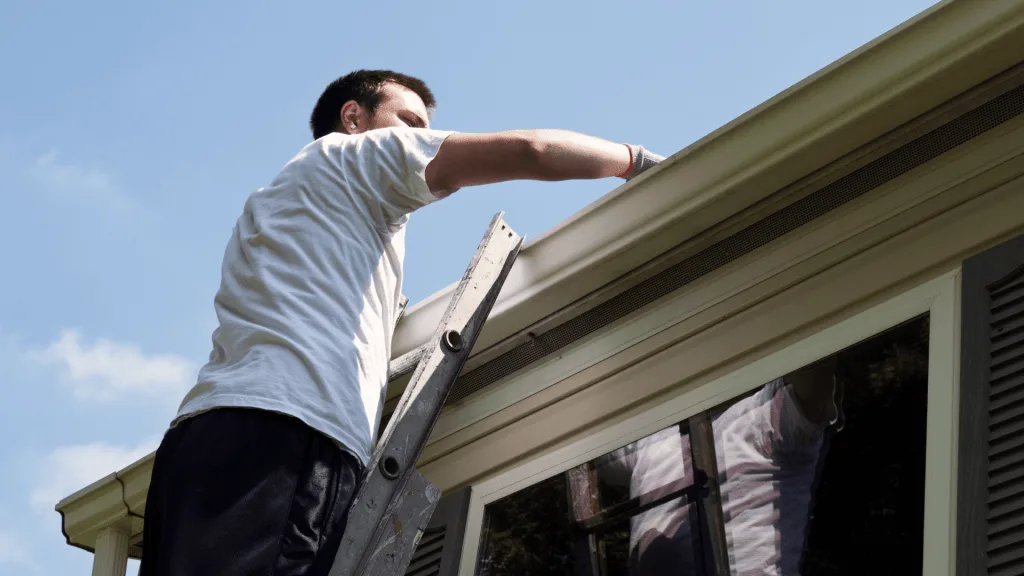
x=538 y=158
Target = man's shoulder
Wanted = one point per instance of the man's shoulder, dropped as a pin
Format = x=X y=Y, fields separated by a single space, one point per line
x=337 y=144
x=395 y=138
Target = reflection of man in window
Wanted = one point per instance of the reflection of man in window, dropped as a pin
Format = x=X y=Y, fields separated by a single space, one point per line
x=768 y=447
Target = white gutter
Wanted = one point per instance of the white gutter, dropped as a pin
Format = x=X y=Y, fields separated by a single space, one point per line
x=117 y=498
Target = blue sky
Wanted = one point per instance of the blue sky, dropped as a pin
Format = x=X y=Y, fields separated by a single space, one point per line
x=132 y=132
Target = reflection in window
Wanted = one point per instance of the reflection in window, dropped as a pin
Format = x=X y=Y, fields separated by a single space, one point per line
x=819 y=472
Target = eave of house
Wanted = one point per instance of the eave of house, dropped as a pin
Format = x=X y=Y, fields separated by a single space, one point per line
x=914 y=67
x=938 y=54
x=118 y=498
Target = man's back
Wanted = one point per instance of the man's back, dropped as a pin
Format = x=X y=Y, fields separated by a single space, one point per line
x=311 y=280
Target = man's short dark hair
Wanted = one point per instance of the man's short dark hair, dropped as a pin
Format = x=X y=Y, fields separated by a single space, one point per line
x=363 y=86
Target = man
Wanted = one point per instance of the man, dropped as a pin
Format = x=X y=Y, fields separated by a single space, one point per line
x=769 y=447
x=257 y=471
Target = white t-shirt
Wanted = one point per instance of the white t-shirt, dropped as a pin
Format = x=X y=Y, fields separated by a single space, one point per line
x=311 y=282
x=767 y=453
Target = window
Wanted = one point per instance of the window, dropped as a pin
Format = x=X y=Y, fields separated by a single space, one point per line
x=820 y=471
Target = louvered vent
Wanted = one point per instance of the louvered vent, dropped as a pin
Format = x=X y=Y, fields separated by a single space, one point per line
x=1006 y=429
x=426 y=560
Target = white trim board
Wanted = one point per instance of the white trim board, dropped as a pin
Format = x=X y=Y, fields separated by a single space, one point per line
x=938 y=297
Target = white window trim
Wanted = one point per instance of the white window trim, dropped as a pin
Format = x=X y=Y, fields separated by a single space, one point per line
x=938 y=297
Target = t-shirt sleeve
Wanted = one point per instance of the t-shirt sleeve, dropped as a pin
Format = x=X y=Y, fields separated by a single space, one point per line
x=397 y=159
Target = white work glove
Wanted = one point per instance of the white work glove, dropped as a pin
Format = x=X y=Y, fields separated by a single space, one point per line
x=643 y=160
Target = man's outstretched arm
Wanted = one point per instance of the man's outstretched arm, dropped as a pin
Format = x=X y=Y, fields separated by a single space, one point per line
x=549 y=155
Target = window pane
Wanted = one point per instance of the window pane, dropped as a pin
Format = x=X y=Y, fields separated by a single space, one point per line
x=820 y=472
x=868 y=507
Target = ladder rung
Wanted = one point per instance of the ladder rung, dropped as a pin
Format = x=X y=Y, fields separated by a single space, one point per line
x=406 y=363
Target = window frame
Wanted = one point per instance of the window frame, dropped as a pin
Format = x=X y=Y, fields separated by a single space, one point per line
x=938 y=297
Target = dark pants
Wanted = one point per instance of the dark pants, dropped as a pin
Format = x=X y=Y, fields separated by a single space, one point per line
x=246 y=492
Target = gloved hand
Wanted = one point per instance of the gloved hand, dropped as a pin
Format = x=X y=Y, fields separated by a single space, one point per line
x=643 y=160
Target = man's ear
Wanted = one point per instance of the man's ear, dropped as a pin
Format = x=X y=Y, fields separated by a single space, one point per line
x=353 y=121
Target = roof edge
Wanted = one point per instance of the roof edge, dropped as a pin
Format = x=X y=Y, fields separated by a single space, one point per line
x=931 y=58
x=118 y=497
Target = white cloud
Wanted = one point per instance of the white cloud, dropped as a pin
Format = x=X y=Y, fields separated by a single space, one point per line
x=14 y=551
x=107 y=370
x=82 y=183
x=70 y=468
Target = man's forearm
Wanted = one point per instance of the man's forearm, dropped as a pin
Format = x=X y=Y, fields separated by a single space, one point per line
x=565 y=155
